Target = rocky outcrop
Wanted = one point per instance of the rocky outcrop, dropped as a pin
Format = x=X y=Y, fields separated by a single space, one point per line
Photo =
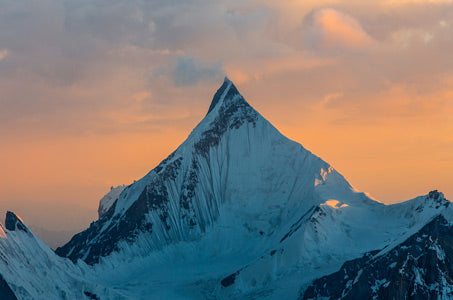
x=419 y=268
x=5 y=291
x=13 y=222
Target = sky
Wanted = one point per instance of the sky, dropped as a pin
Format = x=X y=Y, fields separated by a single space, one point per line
x=94 y=94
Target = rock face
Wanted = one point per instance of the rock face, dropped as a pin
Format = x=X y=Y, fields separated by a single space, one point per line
x=13 y=222
x=5 y=291
x=419 y=268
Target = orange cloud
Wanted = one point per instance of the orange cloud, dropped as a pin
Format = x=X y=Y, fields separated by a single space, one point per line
x=402 y=2
x=331 y=29
x=3 y=54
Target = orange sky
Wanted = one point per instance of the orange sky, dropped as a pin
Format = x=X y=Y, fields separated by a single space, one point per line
x=95 y=95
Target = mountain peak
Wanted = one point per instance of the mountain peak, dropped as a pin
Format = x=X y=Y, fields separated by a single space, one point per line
x=13 y=222
x=437 y=198
x=226 y=91
x=436 y=195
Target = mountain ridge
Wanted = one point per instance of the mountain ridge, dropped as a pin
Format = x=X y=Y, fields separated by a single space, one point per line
x=417 y=268
x=237 y=211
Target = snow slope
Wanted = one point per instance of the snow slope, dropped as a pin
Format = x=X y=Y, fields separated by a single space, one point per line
x=33 y=271
x=110 y=198
x=418 y=268
x=327 y=237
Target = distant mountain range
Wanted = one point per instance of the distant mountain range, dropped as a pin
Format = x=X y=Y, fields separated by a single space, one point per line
x=239 y=211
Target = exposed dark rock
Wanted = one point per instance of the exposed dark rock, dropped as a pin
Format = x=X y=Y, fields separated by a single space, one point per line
x=125 y=229
x=309 y=214
x=127 y=226
x=434 y=194
x=229 y=280
x=13 y=222
x=164 y=162
x=187 y=194
x=5 y=291
x=419 y=268
x=92 y=296
x=90 y=246
x=218 y=94
x=234 y=112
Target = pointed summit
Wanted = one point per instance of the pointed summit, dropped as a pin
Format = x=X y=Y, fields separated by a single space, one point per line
x=231 y=112
x=13 y=222
x=226 y=91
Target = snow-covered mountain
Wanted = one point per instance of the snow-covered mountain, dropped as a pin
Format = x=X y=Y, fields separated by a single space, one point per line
x=418 y=268
x=109 y=198
x=31 y=270
x=237 y=211
x=235 y=170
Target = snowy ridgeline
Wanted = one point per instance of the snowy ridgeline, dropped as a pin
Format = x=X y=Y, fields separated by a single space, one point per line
x=238 y=211
x=109 y=199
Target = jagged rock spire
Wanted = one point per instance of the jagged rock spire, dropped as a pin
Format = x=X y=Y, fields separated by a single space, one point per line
x=13 y=222
x=226 y=91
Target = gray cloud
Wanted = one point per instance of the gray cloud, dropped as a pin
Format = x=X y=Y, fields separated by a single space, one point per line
x=68 y=63
x=81 y=59
x=190 y=71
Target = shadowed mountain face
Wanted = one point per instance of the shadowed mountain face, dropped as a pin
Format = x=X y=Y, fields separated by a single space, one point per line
x=419 y=268
x=12 y=222
x=5 y=291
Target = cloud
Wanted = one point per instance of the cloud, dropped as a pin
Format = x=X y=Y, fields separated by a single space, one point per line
x=3 y=54
x=405 y=38
x=79 y=59
x=403 y=2
x=330 y=30
x=121 y=70
x=190 y=71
